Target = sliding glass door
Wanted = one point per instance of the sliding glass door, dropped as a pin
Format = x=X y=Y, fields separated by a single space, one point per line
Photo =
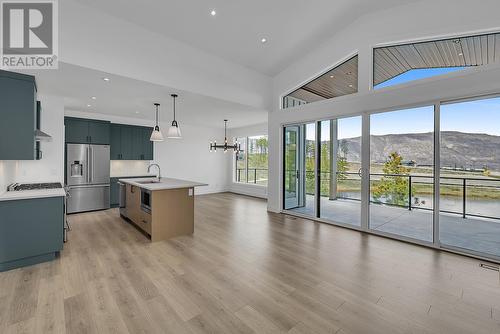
x=299 y=168
x=340 y=165
x=470 y=176
x=431 y=174
x=291 y=167
x=402 y=173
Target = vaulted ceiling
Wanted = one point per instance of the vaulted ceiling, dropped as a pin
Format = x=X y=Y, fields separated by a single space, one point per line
x=292 y=27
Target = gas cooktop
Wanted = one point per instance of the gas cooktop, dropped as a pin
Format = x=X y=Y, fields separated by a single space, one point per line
x=34 y=186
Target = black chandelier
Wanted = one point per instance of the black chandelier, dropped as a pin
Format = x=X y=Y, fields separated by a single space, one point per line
x=236 y=146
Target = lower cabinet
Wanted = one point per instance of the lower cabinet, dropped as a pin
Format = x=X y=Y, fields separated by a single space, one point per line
x=114 y=195
x=133 y=201
x=31 y=231
x=139 y=217
x=171 y=214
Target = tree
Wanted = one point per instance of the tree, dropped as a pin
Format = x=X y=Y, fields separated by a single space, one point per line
x=486 y=171
x=342 y=166
x=393 y=189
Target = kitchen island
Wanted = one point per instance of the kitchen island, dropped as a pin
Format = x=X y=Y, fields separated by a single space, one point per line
x=161 y=208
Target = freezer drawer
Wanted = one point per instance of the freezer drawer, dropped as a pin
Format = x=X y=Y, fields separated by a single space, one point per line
x=88 y=198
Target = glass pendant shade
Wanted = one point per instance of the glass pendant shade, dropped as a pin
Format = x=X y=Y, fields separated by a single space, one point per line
x=174 y=131
x=156 y=135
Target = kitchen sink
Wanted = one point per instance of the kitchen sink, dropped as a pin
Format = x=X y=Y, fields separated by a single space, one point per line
x=148 y=181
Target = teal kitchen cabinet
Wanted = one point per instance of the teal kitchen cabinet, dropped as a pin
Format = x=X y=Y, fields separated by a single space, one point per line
x=86 y=131
x=18 y=116
x=99 y=132
x=31 y=231
x=77 y=130
x=115 y=142
x=126 y=142
x=147 y=145
x=130 y=142
x=137 y=143
x=114 y=192
x=143 y=148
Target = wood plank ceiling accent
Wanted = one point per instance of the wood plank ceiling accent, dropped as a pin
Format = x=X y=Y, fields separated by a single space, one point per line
x=341 y=80
x=391 y=61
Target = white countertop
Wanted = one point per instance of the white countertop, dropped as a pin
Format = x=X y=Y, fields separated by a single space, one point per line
x=165 y=184
x=125 y=175
x=29 y=194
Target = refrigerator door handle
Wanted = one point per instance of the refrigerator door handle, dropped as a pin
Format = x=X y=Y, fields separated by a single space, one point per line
x=87 y=151
x=91 y=164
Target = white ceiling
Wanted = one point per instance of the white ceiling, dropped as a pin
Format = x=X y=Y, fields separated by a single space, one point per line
x=125 y=97
x=292 y=27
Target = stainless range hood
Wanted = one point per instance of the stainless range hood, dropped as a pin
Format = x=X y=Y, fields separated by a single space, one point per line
x=42 y=136
x=39 y=134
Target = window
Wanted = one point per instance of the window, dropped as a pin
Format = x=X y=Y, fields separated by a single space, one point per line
x=251 y=161
x=429 y=174
x=341 y=80
x=393 y=65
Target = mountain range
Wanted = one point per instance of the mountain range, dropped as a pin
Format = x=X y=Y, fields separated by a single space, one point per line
x=458 y=149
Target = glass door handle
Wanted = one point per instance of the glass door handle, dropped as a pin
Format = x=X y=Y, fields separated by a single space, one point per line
x=360 y=172
x=297 y=174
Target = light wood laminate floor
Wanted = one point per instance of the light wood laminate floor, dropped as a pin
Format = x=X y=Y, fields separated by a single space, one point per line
x=246 y=271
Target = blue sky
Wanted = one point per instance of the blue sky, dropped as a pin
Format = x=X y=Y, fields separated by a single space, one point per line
x=417 y=74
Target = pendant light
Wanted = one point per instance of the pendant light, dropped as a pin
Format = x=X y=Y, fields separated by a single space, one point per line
x=156 y=135
x=174 y=131
x=235 y=146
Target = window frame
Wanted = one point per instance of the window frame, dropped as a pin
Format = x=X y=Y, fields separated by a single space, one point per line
x=235 y=162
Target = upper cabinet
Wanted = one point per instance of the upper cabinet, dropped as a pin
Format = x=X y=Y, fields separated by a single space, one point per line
x=130 y=142
x=18 y=116
x=86 y=131
x=127 y=142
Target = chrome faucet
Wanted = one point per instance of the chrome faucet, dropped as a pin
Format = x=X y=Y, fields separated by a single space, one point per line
x=159 y=171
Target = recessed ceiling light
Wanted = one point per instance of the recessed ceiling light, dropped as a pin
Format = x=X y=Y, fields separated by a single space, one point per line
x=351 y=86
x=263 y=40
x=456 y=41
x=213 y=12
x=106 y=79
x=136 y=112
x=460 y=54
x=331 y=76
x=88 y=105
x=349 y=73
x=93 y=97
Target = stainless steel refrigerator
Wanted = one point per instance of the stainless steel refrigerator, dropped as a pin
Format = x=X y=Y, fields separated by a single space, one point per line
x=87 y=177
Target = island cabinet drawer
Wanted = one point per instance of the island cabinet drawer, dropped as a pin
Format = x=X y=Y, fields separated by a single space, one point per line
x=133 y=199
x=144 y=222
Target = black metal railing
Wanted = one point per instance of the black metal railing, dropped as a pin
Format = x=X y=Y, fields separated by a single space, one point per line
x=255 y=172
x=462 y=188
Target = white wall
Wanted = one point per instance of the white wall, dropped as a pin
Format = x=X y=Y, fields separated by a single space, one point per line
x=187 y=158
x=50 y=168
x=421 y=20
x=244 y=188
